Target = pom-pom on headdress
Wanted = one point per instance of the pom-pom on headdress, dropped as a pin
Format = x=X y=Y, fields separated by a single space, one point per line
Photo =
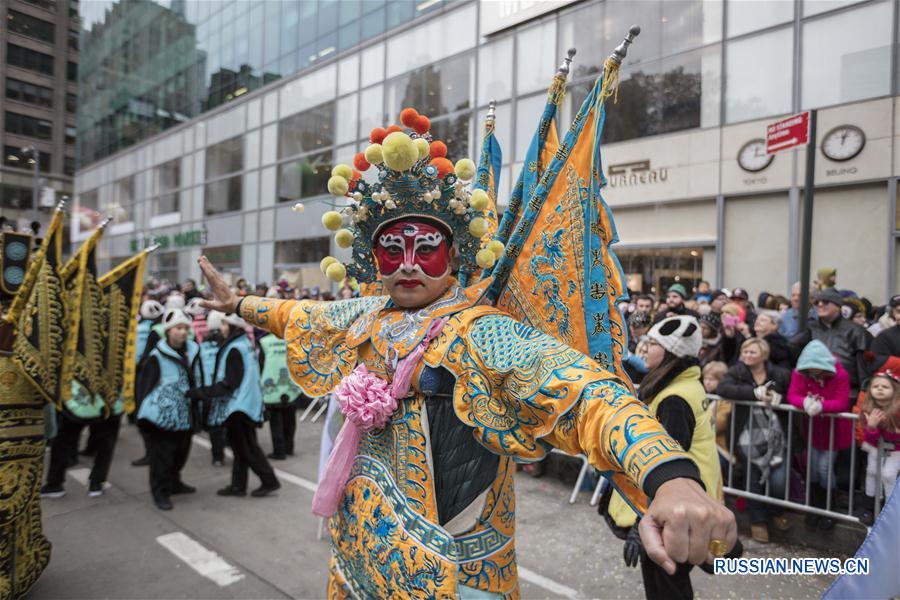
x=415 y=179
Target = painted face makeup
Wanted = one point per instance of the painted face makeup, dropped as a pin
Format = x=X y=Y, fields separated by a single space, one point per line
x=406 y=247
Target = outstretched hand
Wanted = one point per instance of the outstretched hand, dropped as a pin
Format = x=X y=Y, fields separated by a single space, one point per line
x=224 y=299
x=681 y=522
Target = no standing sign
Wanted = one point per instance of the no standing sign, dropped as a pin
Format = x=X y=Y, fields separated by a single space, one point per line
x=787 y=133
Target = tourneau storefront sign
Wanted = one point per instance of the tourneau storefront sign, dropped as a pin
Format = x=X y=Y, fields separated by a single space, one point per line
x=787 y=133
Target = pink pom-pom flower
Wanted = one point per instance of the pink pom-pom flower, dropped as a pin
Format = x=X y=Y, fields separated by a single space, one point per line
x=365 y=399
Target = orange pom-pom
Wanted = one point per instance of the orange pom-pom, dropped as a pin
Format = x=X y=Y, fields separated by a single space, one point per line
x=360 y=162
x=408 y=117
x=356 y=175
x=422 y=125
x=393 y=128
x=438 y=149
x=444 y=166
x=378 y=134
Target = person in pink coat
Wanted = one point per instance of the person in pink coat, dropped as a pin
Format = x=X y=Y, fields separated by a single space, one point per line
x=820 y=385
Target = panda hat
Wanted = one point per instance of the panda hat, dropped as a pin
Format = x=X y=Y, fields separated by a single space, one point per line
x=679 y=335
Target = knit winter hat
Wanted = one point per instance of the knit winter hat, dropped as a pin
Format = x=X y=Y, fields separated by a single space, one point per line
x=175 y=316
x=639 y=319
x=235 y=321
x=151 y=309
x=678 y=289
x=713 y=320
x=214 y=320
x=680 y=335
x=816 y=355
x=830 y=295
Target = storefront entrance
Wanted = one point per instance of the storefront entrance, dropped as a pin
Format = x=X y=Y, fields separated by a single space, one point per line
x=653 y=270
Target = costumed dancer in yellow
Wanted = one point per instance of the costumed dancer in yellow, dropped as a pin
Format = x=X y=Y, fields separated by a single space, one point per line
x=29 y=362
x=442 y=393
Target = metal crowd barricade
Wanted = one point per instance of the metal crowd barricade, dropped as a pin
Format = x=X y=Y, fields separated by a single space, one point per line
x=785 y=501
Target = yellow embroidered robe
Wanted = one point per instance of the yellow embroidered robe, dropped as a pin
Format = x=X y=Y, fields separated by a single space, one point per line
x=521 y=392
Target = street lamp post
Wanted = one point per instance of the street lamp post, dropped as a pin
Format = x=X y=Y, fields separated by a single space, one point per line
x=35 y=187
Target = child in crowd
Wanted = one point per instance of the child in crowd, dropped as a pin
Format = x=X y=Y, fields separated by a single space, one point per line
x=713 y=373
x=880 y=417
x=821 y=385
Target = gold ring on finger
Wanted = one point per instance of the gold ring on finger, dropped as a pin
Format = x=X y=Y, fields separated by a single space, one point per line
x=717 y=548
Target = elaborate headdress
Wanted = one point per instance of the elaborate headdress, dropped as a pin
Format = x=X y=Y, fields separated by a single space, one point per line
x=414 y=180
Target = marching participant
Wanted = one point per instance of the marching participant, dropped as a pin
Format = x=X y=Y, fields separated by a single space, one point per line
x=280 y=395
x=172 y=368
x=151 y=314
x=209 y=349
x=235 y=400
x=442 y=392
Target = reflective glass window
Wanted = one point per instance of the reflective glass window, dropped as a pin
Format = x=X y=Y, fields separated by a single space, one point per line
x=455 y=133
x=371 y=110
x=290 y=253
x=847 y=56
x=434 y=90
x=744 y=16
x=26 y=58
x=166 y=184
x=536 y=57
x=528 y=113
x=29 y=93
x=814 y=7
x=14 y=157
x=758 y=76
x=495 y=71
x=223 y=196
x=29 y=26
x=347 y=119
x=28 y=126
x=305 y=177
x=225 y=157
x=305 y=131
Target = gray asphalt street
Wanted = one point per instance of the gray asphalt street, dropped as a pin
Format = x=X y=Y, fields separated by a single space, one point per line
x=121 y=546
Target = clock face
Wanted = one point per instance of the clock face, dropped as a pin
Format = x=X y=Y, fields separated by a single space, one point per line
x=752 y=156
x=843 y=142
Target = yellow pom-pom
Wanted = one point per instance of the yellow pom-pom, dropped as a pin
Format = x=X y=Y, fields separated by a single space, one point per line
x=485 y=258
x=338 y=186
x=478 y=227
x=399 y=151
x=336 y=272
x=423 y=147
x=497 y=247
x=479 y=200
x=327 y=262
x=332 y=220
x=374 y=154
x=345 y=171
x=343 y=238
x=465 y=169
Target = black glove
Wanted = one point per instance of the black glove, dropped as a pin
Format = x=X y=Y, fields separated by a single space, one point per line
x=633 y=546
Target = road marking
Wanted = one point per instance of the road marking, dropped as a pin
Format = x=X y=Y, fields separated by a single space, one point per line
x=526 y=575
x=283 y=475
x=206 y=562
x=82 y=475
x=548 y=584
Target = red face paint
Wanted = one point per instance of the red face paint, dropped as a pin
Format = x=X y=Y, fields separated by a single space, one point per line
x=408 y=245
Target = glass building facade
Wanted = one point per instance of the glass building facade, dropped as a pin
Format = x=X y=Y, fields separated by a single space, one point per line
x=696 y=90
x=152 y=64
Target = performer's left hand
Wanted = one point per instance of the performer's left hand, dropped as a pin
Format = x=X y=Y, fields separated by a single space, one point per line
x=680 y=523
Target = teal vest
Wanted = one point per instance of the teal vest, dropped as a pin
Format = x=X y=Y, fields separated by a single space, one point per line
x=166 y=406
x=275 y=380
x=208 y=351
x=83 y=407
x=247 y=398
x=143 y=332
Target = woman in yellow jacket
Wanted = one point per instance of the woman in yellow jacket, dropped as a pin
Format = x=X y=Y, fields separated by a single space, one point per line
x=674 y=392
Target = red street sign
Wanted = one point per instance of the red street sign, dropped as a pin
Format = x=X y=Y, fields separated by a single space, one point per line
x=787 y=133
